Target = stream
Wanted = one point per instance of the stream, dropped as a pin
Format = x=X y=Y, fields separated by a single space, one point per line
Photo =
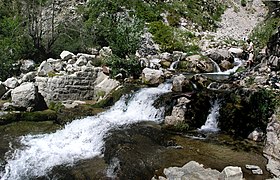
x=125 y=142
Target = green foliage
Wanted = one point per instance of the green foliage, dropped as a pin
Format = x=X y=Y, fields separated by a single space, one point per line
x=243 y=3
x=56 y=106
x=263 y=31
x=127 y=67
x=112 y=25
x=171 y=39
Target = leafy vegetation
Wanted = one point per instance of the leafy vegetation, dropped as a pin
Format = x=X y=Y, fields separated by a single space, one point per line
x=127 y=67
x=263 y=32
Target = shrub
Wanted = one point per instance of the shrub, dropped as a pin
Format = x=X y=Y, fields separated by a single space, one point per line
x=127 y=67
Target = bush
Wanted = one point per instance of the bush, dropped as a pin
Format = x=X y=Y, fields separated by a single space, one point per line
x=127 y=67
x=171 y=39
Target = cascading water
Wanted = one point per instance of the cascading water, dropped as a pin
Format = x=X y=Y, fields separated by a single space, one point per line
x=211 y=124
x=81 y=139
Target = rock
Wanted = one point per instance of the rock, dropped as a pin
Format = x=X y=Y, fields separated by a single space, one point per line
x=231 y=173
x=255 y=169
x=105 y=87
x=2 y=89
x=177 y=116
x=256 y=135
x=200 y=81
x=152 y=76
x=66 y=55
x=27 y=65
x=71 y=61
x=181 y=84
x=7 y=95
x=225 y=65
x=8 y=106
x=26 y=95
x=219 y=55
x=44 y=69
x=11 y=83
x=105 y=52
x=89 y=57
x=237 y=52
x=29 y=77
x=82 y=60
x=165 y=56
x=191 y=170
x=272 y=146
x=196 y=64
x=105 y=70
x=274 y=62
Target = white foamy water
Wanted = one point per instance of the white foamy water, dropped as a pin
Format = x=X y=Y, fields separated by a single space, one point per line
x=80 y=139
x=211 y=124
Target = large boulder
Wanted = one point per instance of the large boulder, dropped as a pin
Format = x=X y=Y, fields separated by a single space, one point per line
x=181 y=84
x=11 y=83
x=105 y=86
x=152 y=76
x=219 y=55
x=27 y=96
x=196 y=64
x=27 y=65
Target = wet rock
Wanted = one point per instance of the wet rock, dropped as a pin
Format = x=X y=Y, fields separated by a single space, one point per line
x=27 y=65
x=11 y=83
x=272 y=144
x=231 y=173
x=66 y=55
x=219 y=55
x=237 y=52
x=152 y=76
x=26 y=95
x=181 y=84
x=196 y=64
x=225 y=65
x=177 y=116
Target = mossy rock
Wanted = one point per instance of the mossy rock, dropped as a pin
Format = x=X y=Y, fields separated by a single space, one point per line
x=165 y=64
x=16 y=116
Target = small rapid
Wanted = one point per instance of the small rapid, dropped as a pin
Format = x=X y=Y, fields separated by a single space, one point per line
x=81 y=139
x=211 y=124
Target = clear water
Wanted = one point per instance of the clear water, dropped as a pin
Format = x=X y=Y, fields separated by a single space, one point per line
x=80 y=139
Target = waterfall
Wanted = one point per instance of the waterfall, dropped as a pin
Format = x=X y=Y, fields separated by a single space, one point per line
x=81 y=139
x=211 y=124
x=216 y=66
x=174 y=65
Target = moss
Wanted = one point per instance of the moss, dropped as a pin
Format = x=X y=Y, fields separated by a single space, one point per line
x=47 y=115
